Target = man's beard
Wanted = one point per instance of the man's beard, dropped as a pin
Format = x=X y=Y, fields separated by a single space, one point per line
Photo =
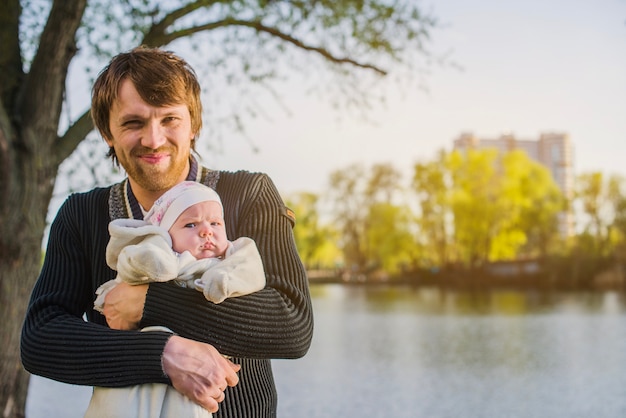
x=153 y=177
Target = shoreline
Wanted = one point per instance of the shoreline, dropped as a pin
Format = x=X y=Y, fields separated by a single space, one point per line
x=471 y=281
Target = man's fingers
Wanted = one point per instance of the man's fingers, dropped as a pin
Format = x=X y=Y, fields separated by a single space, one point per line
x=198 y=371
x=233 y=378
x=123 y=306
x=212 y=402
x=210 y=405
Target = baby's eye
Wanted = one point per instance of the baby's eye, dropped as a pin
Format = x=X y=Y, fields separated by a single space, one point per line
x=190 y=225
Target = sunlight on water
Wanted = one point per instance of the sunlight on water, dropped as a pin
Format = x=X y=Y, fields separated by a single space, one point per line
x=402 y=352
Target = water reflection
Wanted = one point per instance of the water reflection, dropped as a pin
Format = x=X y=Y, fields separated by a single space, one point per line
x=406 y=352
x=437 y=301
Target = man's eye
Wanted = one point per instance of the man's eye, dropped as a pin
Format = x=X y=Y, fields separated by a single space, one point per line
x=132 y=124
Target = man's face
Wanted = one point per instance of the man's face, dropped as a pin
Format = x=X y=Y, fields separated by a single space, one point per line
x=153 y=144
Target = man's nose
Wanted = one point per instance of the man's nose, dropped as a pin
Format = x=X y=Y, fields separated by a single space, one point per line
x=154 y=136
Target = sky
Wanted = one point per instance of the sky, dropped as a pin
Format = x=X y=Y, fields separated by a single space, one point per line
x=527 y=67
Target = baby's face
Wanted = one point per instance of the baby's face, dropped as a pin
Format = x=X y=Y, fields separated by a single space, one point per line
x=200 y=230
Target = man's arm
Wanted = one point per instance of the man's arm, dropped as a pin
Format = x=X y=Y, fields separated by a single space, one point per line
x=56 y=341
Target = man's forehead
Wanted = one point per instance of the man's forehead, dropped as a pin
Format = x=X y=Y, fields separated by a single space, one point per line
x=129 y=103
x=128 y=92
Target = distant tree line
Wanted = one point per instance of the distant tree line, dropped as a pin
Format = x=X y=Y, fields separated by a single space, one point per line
x=460 y=213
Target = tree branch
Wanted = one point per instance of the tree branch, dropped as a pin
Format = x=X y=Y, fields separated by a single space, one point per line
x=42 y=96
x=10 y=58
x=74 y=135
x=157 y=37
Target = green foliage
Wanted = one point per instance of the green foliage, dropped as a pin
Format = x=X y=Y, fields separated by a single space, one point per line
x=603 y=211
x=374 y=230
x=349 y=199
x=431 y=186
x=390 y=243
x=316 y=243
x=470 y=209
x=542 y=203
x=476 y=204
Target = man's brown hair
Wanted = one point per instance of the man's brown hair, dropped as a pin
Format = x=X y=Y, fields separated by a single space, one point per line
x=161 y=79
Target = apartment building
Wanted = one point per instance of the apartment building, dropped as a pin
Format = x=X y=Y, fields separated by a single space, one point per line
x=553 y=150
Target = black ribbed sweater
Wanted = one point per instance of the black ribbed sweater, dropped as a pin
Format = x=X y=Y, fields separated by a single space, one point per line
x=276 y=322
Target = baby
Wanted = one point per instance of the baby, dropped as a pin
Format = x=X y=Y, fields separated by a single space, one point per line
x=183 y=238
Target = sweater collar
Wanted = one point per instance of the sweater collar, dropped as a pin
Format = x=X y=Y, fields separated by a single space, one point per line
x=124 y=204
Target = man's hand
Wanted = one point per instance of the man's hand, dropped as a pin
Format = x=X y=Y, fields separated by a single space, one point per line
x=123 y=306
x=198 y=371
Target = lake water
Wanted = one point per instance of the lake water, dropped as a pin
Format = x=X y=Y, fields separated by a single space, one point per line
x=406 y=352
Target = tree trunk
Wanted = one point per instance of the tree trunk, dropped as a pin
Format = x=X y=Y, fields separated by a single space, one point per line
x=22 y=223
x=29 y=185
x=19 y=267
x=29 y=155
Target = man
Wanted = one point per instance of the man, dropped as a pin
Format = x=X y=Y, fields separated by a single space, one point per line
x=146 y=105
